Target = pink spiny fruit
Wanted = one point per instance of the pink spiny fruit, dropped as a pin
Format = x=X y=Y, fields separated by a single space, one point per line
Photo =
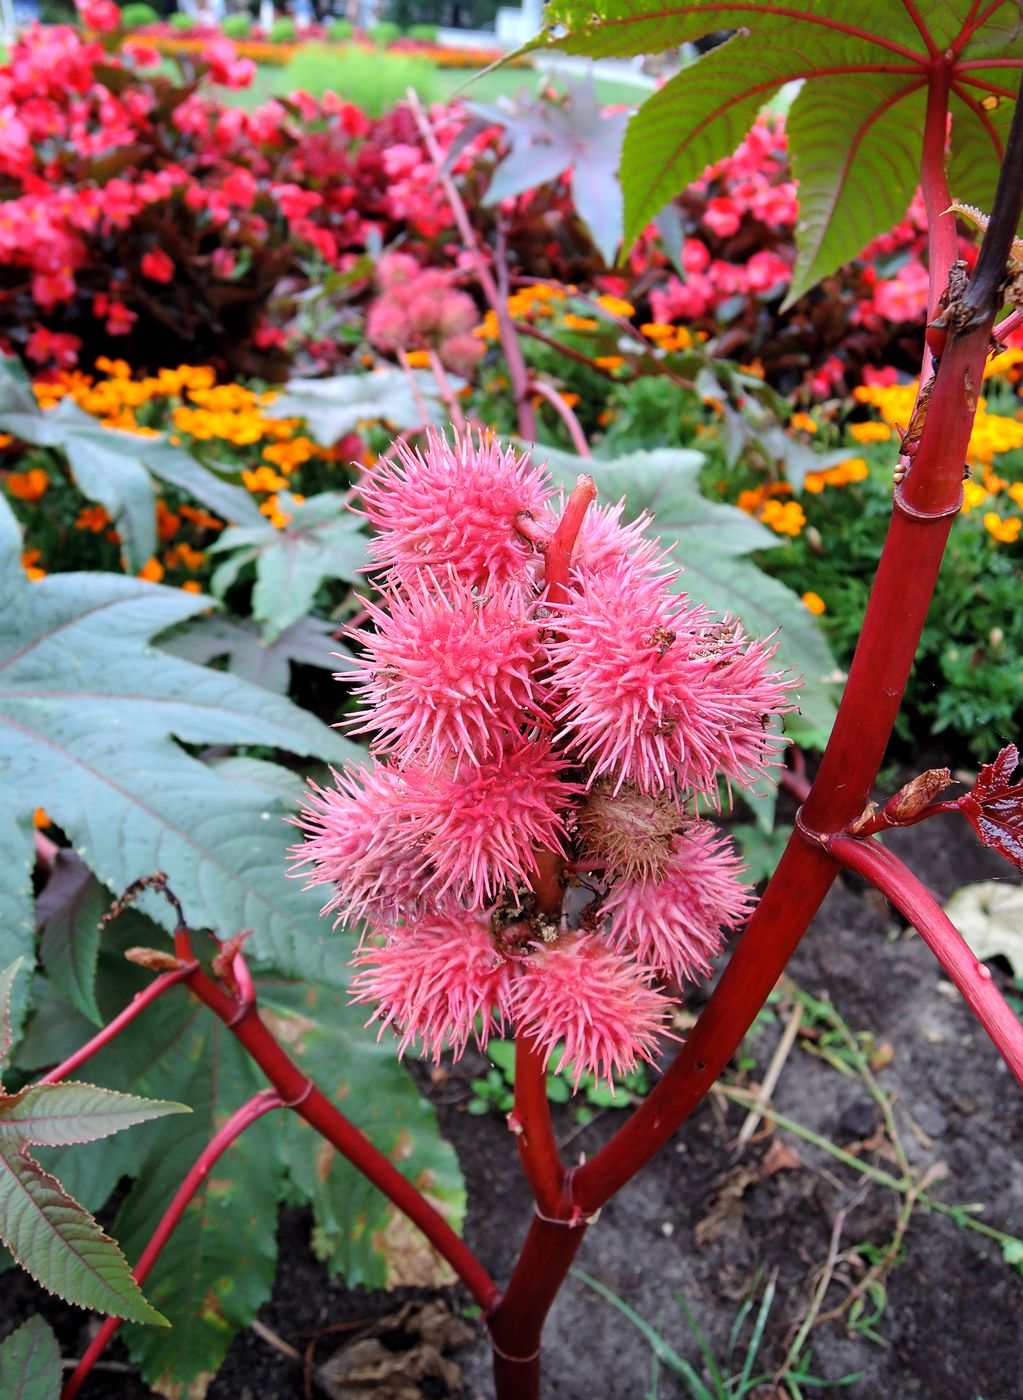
x=674 y=924
x=650 y=691
x=579 y=992
x=439 y=981
x=448 y=672
x=480 y=830
x=454 y=505
x=604 y=542
x=360 y=840
x=627 y=833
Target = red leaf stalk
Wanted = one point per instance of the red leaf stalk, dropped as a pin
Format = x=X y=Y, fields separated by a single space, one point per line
x=250 y=1112
x=916 y=903
x=564 y=411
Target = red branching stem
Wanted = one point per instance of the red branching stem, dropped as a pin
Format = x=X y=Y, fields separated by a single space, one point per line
x=942 y=242
x=564 y=411
x=517 y=370
x=559 y=551
x=135 y=1007
x=922 y=28
x=301 y=1094
x=916 y=903
x=1011 y=323
x=534 y=1131
x=446 y=392
x=250 y=1112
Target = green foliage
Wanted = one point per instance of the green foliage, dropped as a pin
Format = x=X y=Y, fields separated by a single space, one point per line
x=179 y=20
x=50 y=1235
x=335 y=406
x=223 y=1252
x=238 y=26
x=495 y=1090
x=92 y=723
x=713 y=542
x=853 y=130
x=137 y=14
x=423 y=33
x=30 y=1363
x=283 y=31
x=322 y=540
x=384 y=33
x=376 y=82
x=340 y=29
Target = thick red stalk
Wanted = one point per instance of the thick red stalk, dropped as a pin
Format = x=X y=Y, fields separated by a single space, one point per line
x=240 y=1119
x=916 y=903
x=942 y=242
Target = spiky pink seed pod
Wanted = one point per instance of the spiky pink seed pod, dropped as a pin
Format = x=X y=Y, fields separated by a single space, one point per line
x=675 y=925
x=479 y=830
x=361 y=841
x=447 y=671
x=454 y=505
x=431 y=982
x=579 y=992
x=628 y=833
x=655 y=692
x=604 y=542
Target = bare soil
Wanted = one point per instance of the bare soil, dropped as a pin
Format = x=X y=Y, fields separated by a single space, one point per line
x=705 y=1223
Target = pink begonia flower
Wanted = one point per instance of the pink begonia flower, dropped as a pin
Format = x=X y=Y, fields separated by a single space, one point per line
x=457 y=506
x=226 y=68
x=45 y=346
x=157 y=266
x=102 y=15
x=447 y=672
x=722 y=217
x=903 y=297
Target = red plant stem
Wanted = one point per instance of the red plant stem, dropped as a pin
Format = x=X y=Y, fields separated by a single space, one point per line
x=135 y=1007
x=564 y=412
x=558 y=559
x=517 y=370
x=263 y=1102
x=924 y=510
x=417 y=397
x=1011 y=323
x=446 y=392
x=46 y=850
x=916 y=903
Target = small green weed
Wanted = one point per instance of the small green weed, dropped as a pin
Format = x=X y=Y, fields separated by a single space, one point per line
x=496 y=1089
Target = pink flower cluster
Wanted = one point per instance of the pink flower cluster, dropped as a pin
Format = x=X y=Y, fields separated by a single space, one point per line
x=419 y=309
x=524 y=847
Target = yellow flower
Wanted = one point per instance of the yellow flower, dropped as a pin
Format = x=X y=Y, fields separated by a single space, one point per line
x=999 y=364
x=869 y=432
x=29 y=486
x=609 y=361
x=1016 y=493
x=802 y=422
x=289 y=455
x=418 y=359
x=814 y=482
x=784 y=518
x=615 y=306
x=994 y=483
x=814 y=602
x=657 y=330
x=1004 y=531
x=278 y=518
x=973 y=495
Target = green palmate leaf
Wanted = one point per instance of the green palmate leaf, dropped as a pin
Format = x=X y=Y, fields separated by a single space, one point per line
x=333 y=407
x=712 y=542
x=7 y=980
x=60 y=1115
x=59 y=1243
x=90 y=722
x=30 y=1363
x=69 y=911
x=17 y=922
x=307 y=642
x=866 y=69
x=322 y=540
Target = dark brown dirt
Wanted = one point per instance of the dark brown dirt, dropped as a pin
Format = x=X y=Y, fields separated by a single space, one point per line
x=950 y=1328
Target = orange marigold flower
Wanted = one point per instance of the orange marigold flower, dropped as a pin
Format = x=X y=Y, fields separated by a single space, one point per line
x=973 y=495
x=803 y=423
x=579 y=323
x=40 y=820
x=609 y=361
x=30 y=563
x=202 y=518
x=29 y=486
x=6 y=439
x=1016 y=493
x=263 y=479
x=167 y=523
x=271 y=509
x=191 y=585
x=182 y=555
x=616 y=306
x=152 y=571
x=92 y=518
x=289 y=455
x=869 y=432
x=418 y=359
x=783 y=519
x=814 y=602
